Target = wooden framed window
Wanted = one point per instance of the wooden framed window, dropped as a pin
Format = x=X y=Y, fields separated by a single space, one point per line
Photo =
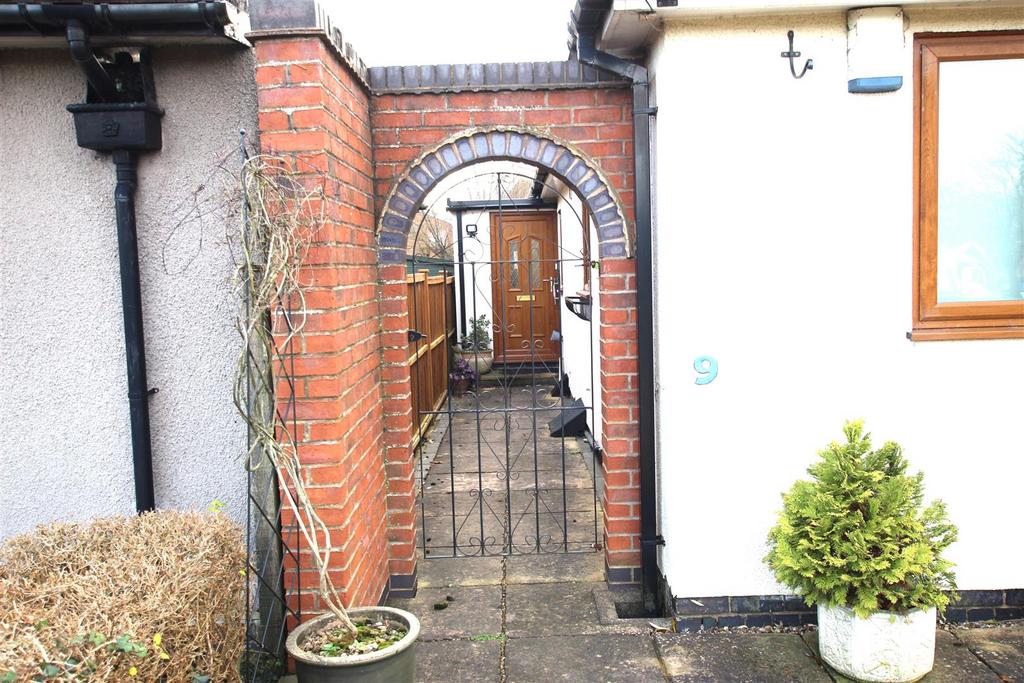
x=969 y=186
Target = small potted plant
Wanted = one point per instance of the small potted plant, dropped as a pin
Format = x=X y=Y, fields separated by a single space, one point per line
x=462 y=376
x=857 y=542
x=475 y=347
x=381 y=648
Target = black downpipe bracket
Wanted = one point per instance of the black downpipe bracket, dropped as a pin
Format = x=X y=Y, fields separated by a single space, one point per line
x=120 y=115
x=650 y=539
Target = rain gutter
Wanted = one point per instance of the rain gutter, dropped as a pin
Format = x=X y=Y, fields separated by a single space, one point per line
x=588 y=19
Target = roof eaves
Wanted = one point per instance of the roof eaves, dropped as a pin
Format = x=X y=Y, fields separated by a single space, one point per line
x=120 y=22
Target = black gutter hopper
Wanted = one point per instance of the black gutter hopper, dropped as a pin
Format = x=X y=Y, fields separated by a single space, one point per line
x=650 y=539
x=120 y=115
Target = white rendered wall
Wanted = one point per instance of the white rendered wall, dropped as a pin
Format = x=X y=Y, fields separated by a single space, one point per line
x=784 y=251
x=581 y=351
x=66 y=454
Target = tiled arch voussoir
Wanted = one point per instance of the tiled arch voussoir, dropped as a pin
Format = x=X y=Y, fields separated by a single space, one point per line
x=525 y=145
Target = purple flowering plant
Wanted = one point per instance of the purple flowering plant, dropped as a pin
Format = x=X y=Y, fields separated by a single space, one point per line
x=462 y=370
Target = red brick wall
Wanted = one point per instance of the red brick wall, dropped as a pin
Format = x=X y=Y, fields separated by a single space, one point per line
x=313 y=110
x=620 y=433
x=353 y=391
x=598 y=122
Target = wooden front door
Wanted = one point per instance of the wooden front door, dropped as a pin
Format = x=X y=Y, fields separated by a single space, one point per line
x=524 y=255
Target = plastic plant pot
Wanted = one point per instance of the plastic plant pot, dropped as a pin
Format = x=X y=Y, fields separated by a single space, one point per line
x=394 y=664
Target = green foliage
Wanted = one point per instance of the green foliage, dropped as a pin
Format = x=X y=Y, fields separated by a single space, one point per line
x=479 y=337
x=369 y=637
x=857 y=535
x=76 y=668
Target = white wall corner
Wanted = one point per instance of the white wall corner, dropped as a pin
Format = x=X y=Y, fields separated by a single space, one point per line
x=874 y=49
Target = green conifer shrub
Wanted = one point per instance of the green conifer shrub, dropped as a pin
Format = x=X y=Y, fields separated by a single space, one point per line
x=857 y=536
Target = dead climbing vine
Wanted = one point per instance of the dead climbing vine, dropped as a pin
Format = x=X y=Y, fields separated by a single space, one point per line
x=281 y=212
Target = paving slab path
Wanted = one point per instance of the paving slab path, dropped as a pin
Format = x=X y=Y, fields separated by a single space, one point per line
x=540 y=619
x=493 y=477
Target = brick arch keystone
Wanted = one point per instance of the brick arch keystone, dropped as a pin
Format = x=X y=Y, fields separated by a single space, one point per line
x=525 y=145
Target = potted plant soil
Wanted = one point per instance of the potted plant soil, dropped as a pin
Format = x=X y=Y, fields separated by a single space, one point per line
x=857 y=542
x=382 y=648
x=475 y=347
x=461 y=376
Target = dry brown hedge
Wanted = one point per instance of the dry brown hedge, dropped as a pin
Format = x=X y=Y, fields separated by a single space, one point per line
x=170 y=582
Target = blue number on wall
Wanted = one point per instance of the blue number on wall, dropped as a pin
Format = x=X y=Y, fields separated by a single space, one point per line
x=707 y=369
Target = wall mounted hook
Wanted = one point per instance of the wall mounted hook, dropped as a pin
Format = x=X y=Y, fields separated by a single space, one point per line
x=791 y=55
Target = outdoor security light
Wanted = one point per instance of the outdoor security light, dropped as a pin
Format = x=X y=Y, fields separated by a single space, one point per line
x=471 y=229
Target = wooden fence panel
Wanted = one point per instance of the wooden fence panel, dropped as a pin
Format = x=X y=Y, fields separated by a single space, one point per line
x=431 y=312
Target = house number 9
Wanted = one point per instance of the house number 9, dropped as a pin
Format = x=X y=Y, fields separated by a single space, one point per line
x=707 y=369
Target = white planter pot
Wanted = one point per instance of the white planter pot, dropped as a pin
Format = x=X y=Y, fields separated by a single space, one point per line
x=886 y=647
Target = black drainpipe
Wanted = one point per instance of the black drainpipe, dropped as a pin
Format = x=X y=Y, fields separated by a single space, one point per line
x=120 y=115
x=650 y=539
x=462 y=271
x=126 y=163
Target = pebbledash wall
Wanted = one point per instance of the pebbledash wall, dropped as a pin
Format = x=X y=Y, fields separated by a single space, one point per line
x=407 y=129
x=69 y=458
x=784 y=249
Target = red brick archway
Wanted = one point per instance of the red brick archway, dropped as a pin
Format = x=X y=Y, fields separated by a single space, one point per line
x=422 y=138
x=529 y=146
x=365 y=137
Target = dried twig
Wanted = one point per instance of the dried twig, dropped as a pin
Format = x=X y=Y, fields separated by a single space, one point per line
x=283 y=210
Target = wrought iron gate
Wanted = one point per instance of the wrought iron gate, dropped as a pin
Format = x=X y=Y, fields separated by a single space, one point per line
x=493 y=480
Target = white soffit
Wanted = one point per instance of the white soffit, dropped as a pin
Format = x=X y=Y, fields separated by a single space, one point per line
x=632 y=24
x=696 y=8
x=717 y=7
x=628 y=32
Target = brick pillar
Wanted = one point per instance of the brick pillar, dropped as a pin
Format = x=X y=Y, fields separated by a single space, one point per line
x=398 y=429
x=314 y=111
x=620 y=433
